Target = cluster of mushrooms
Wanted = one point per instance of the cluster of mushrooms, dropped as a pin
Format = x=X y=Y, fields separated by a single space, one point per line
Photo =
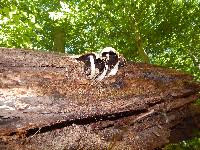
x=102 y=64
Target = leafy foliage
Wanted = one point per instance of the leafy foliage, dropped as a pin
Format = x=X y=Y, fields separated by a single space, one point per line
x=193 y=144
x=160 y=32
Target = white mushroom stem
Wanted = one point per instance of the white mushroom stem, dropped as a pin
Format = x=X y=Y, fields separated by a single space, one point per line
x=92 y=66
x=102 y=76
x=114 y=70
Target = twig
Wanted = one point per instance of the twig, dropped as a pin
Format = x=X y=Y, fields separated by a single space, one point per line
x=143 y=116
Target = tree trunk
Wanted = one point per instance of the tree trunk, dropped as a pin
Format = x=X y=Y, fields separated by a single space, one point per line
x=140 y=47
x=47 y=103
x=139 y=41
x=59 y=39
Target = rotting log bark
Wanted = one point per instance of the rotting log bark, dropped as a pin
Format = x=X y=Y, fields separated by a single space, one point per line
x=47 y=103
x=188 y=128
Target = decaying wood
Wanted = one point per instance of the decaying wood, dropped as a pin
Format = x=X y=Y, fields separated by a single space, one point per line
x=47 y=103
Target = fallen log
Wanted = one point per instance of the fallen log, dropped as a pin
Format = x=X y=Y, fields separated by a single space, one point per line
x=46 y=102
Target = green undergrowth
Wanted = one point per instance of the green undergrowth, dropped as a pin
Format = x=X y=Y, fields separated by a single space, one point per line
x=192 y=144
